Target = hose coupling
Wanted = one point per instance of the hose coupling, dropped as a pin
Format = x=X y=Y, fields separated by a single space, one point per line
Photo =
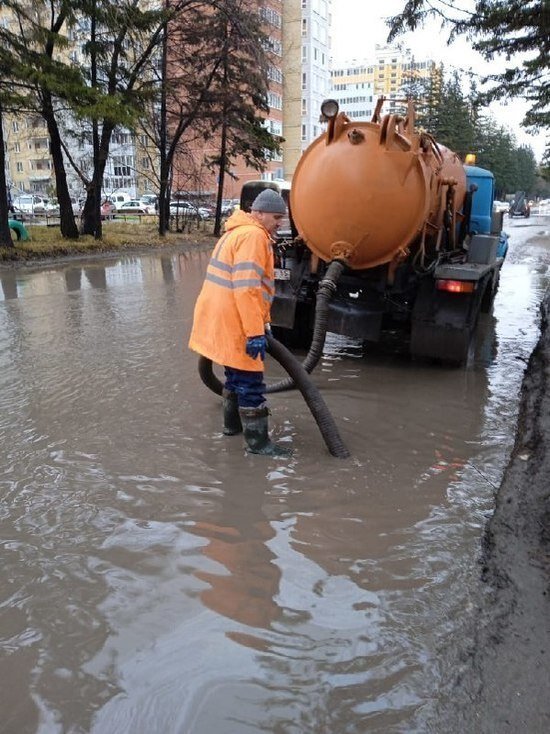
x=328 y=284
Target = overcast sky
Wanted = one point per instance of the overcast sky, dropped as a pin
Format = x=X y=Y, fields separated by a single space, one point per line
x=357 y=25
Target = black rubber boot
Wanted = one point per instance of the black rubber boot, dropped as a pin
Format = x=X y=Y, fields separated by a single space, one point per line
x=231 y=419
x=254 y=421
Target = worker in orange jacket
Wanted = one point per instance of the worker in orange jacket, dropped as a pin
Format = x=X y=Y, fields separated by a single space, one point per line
x=232 y=314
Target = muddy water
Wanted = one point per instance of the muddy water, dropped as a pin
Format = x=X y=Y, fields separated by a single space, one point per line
x=157 y=579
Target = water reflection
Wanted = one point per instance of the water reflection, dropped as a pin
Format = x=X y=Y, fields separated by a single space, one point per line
x=9 y=284
x=246 y=588
x=96 y=276
x=73 y=279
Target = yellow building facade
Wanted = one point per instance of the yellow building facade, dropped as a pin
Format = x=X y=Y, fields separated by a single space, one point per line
x=387 y=71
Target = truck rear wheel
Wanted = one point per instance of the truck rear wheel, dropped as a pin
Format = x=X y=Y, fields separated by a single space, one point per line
x=442 y=343
x=443 y=323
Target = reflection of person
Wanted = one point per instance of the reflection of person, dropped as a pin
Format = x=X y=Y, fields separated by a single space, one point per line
x=232 y=313
x=246 y=590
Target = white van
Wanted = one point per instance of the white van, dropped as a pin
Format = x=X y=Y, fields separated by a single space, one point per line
x=30 y=204
x=119 y=199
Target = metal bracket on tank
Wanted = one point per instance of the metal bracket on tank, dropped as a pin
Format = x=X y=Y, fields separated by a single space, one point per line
x=392 y=126
x=335 y=127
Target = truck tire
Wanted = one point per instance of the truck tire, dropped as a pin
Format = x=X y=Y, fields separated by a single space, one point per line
x=443 y=324
x=490 y=292
x=441 y=343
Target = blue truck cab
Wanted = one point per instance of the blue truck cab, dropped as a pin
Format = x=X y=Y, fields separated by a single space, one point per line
x=482 y=202
x=481 y=217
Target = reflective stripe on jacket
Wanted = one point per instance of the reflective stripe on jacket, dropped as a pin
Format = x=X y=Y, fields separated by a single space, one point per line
x=236 y=296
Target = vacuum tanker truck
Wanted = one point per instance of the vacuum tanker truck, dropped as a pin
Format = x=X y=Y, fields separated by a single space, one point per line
x=387 y=230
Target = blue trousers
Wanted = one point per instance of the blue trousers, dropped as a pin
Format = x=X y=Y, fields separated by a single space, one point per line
x=249 y=386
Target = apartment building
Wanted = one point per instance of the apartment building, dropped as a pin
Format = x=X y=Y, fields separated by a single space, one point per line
x=298 y=38
x=29 y=167
x=28 y=160
x=190 y=172
x=306 y=48
x=357 y=84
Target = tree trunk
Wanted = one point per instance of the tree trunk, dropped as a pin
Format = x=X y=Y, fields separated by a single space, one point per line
x=66 y=214
x=91 y=223
x=223 y=147
x=164 y=203
x=221 y=177
x=5 y=233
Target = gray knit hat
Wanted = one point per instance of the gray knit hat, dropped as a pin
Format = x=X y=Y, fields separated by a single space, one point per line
x=269 y=201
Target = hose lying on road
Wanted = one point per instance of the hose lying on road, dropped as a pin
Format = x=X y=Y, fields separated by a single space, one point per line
x=301 y=379
x=311 y=395
x=325 y=293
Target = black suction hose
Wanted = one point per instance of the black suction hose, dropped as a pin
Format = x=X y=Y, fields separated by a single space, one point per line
x=311 y=395
x=301 y=379
x=206 y=373
x=325 y=293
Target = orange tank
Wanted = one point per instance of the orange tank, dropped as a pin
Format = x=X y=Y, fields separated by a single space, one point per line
x=372 y=192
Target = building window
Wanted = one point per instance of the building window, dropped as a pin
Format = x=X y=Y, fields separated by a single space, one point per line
x=274 y=46
x=271 y=16
x=122 y=138
x=275 y=127
x=275 y=101
x=17 y=148
x=19 y=167
x=304 y=26
x=304 y=80
x=123 y=165
x=274 y=74
x=15 y=126
x=303 y=132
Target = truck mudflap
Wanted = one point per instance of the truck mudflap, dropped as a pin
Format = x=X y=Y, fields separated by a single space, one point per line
x=283 y=308
x=289 y=281
x=355 y=320
x=443 y=321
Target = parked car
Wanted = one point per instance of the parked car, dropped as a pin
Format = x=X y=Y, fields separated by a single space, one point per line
x=119 y=198
x=182 y=208
x=229 y=206
x=500 y=206
x=134 y=206
x=150 y=200
x=34 y=204
x=108 y=210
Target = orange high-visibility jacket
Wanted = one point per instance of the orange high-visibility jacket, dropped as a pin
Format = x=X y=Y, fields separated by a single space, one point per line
x=236 y=296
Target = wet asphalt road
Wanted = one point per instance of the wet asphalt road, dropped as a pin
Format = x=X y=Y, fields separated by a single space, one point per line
x=155 y=578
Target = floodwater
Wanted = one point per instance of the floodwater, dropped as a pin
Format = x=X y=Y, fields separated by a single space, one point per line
x=155 y=578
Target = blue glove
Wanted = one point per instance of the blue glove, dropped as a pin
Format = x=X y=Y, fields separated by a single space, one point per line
x=256 y=346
